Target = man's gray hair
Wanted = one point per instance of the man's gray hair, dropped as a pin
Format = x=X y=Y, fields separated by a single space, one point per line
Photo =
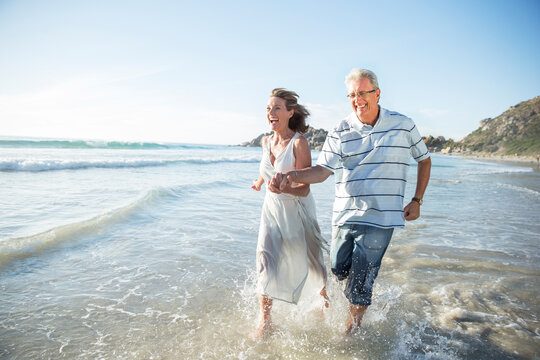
x=357 y=74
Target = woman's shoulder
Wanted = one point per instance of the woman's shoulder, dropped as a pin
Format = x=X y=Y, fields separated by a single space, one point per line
x=301 y=142
x=299 y=138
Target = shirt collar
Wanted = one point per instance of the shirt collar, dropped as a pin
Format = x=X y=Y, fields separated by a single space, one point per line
x=359 y=126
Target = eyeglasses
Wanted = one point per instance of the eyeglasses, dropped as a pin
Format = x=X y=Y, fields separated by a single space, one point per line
x=362 y=94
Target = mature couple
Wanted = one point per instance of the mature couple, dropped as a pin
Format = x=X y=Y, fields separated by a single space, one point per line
x=368 y=152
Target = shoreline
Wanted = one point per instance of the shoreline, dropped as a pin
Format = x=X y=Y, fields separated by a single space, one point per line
x=517 y=160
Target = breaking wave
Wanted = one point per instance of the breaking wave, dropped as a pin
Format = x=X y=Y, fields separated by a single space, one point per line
x=49 y=165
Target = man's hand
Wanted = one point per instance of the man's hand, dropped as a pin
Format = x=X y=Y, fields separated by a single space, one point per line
x=412 y=211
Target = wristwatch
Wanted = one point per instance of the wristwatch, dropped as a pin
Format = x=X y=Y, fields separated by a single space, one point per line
x=419 y=201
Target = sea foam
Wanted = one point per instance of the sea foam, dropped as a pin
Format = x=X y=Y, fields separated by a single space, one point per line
x=54 y=164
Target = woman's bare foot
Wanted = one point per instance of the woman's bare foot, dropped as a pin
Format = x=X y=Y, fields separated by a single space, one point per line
x=325 y=296
x=326 y=302
x=264 y=328
x=266 y=320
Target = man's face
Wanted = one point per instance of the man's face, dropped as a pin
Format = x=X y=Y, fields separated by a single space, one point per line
x=365 y=105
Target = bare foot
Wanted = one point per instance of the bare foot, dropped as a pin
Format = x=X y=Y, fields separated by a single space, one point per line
x=264 y=328
x=266 y=319
x=351 y=327
x=356 y=313
x=325 y=296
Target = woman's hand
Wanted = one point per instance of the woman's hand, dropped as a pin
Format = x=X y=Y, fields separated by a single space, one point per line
x=274 y=183
x=257 y=183
x=256 y=186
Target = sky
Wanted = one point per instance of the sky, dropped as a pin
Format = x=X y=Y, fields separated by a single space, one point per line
x=201 y=71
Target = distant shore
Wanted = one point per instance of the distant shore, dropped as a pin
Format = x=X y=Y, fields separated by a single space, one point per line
x=521 y=160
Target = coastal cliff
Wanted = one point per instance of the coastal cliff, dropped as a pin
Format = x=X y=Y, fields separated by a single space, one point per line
x=516 y=132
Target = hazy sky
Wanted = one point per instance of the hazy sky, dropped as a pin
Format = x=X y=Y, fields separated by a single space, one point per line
x=201 y=71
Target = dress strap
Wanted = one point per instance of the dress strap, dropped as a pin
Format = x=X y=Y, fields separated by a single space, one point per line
x=291 y=143
x=268 y=143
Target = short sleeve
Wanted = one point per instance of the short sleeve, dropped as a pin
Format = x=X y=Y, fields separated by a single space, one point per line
x=330 y=155
x=419 y=150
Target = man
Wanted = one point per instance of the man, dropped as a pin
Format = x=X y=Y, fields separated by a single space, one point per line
x=369 y=154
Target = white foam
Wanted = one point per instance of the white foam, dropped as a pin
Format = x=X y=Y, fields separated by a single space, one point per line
x=493 y=169
x=36 y=165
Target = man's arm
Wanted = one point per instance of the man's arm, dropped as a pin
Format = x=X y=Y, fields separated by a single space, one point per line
x=412 y=210
x=310 y=175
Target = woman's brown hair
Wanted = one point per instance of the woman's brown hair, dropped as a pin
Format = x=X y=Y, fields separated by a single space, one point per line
x=298 y=120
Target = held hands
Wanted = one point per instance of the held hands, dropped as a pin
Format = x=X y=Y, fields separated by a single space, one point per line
x=280 y=183
x=412 y=211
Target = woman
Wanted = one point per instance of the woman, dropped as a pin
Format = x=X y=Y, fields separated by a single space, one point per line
x=290 y=243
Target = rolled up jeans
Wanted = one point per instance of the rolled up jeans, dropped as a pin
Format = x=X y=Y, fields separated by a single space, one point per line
x=356 y=254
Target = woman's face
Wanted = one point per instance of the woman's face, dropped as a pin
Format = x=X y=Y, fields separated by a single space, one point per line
x=277 y=114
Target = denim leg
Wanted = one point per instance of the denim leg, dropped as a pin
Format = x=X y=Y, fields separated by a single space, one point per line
x=341 y=251
x=370 y=245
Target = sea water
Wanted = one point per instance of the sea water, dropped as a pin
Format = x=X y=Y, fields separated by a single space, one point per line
x=147 y=251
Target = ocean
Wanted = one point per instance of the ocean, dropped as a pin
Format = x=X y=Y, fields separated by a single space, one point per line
x=112 y=250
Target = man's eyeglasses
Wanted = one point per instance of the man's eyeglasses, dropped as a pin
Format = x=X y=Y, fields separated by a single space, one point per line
x=362 y=94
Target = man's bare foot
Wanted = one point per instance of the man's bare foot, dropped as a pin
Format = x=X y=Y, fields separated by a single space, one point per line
x=356 y=313
x=351 y=327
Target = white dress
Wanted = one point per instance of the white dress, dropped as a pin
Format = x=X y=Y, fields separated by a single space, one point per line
x=290 y=244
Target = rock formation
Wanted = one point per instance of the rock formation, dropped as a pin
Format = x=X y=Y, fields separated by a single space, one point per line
x=514 y=132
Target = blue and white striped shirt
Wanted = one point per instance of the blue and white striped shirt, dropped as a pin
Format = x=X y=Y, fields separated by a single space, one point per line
x=370 y=168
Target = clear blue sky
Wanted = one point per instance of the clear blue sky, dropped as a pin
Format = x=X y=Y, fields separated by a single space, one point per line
x=201 y=71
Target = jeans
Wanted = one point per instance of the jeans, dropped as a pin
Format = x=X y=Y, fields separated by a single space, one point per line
x=355 y=255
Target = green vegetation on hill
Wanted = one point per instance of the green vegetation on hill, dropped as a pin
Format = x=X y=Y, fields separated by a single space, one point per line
x=514 y=132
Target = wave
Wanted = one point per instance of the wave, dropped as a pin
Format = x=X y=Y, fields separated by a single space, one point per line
x=499 y=171
x=50 y=165
x=89 y=144
x=22 y=247
x=522 y=189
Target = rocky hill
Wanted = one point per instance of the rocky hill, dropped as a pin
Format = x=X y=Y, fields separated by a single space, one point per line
x=514 y=132
x=315 y=138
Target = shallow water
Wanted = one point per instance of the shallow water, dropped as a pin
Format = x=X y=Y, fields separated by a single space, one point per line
x=149 y=253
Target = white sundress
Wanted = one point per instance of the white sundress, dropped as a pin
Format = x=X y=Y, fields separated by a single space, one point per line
x=290 y=244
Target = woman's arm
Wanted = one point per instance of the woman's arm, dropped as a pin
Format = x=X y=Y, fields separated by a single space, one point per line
x=257 y=183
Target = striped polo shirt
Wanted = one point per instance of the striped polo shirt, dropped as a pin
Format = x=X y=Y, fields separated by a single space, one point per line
x=370 y=166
